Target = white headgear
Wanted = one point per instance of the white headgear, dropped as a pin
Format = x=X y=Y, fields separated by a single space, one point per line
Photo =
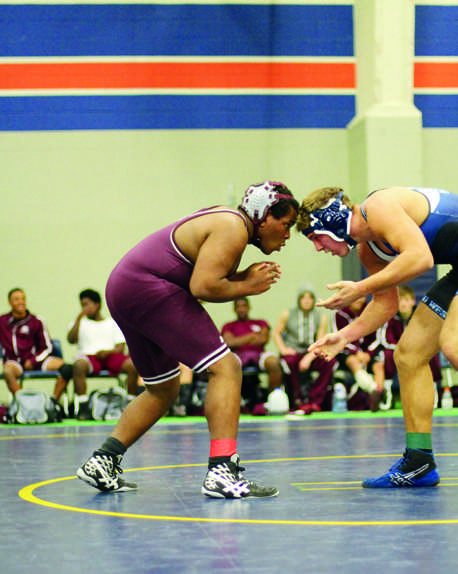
x=258 y=199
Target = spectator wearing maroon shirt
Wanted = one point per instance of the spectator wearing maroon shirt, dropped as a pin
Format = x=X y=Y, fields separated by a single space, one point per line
x=363 y=357
x=247 y=338
x=26 y=345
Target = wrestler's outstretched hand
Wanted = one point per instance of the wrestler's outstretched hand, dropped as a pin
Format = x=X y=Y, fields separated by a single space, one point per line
x=329 y=346
x=347 y=292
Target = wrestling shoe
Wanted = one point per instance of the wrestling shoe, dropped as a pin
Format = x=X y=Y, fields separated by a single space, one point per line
x=415 y=468
x=58 y=413
x=83 y=412
x=101 y=471
x=375 y=398
x=225 y=480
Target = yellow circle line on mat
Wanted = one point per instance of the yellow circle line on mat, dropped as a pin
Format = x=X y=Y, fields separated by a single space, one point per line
x=27 y=493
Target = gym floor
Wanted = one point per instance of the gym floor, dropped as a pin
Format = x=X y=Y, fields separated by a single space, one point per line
x=322 y=521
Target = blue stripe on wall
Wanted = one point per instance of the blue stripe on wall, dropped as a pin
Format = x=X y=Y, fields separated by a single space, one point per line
x=174 y=112
x=438 y=111
x=436 y=31
x=171 y=30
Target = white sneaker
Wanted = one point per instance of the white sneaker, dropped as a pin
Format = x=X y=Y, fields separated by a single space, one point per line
x=225 y=480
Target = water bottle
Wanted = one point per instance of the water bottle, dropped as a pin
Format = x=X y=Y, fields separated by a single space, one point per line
x=447 y=399
x=339 y=399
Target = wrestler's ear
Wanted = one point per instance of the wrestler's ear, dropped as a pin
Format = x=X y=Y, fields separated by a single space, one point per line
x=265 y=220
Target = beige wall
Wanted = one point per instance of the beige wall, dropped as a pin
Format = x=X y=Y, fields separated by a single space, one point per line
x=439 y=158
x=74 y=203
x=439 y=164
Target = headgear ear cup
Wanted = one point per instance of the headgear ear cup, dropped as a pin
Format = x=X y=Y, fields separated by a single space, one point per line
x=258 y=199
x=332 y=219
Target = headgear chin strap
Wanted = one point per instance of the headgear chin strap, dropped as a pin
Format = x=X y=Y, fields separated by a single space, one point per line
x=257 y=201
x=333 y=219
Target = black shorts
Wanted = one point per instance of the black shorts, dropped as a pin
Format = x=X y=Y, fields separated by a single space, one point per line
x=441 y=294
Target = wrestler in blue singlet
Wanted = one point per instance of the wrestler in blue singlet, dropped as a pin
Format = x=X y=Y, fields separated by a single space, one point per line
x=440 y=229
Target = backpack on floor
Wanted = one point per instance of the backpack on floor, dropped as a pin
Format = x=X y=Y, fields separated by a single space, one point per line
x=108 y=405
x=32 y=407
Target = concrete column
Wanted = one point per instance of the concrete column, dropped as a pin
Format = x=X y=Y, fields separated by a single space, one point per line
x=385 y=137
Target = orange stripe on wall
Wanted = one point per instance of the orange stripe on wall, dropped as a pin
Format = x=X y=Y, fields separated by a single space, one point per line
x=176 y=75
x=436 y=75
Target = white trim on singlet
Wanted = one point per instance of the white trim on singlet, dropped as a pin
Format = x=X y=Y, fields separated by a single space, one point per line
x=211 y=358
x=162 y=378
x=176 y=248
x=380 y=253
x=194 y=216
x=376 y=250
x=431 y=194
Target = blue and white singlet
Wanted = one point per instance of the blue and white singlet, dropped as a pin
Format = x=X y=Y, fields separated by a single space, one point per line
x=440 y=228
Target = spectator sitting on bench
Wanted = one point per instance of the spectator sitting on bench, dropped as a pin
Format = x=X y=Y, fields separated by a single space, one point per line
x=296 y=329
x=27 y=346
x=363 y=359
x=101 y=346
x=247 y=338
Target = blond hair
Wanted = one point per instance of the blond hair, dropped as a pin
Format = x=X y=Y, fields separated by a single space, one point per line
x=406 y=291
x=316 y=200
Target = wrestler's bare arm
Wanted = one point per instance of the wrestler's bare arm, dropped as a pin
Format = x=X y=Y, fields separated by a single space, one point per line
x=383 y=305
x=215 y=278
x=389 y=222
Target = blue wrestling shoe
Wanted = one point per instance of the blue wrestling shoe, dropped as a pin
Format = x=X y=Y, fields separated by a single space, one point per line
x=415 y=468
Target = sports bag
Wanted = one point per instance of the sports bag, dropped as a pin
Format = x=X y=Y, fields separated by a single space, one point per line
x=108 y=405
x=32 y=407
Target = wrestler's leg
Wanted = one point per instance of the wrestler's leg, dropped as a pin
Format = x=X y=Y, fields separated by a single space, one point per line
x=145 y=410
x=418 y=344
x=449 y=334
x=222 y=402
x=222 y=407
